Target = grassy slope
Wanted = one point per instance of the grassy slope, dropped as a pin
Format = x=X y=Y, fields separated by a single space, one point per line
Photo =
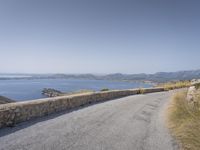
x=184 y=121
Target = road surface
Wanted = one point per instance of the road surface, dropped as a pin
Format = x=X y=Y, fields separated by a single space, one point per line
x=129 y=123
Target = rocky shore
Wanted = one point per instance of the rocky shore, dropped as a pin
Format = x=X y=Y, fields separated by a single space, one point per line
x=4 y=100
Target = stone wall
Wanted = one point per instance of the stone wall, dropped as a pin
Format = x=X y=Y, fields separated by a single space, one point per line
x=13 y=113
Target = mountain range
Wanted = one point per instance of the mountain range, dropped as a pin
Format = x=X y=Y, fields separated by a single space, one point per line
x=156 y=77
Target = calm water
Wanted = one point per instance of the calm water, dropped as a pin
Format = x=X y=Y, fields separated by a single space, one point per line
x=31 y=89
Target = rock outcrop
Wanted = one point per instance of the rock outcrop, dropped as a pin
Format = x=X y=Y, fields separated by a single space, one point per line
x=193 y=93
x=195 y=81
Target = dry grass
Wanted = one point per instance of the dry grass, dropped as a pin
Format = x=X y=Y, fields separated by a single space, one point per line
x=141 y=91
x=175 y=85
x=80 y=92
x=184 y=121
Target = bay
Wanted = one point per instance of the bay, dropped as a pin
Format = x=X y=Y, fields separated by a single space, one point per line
x=29 y=89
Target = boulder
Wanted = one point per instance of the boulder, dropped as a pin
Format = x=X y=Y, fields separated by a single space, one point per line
x=195 y=81
x=190 y=94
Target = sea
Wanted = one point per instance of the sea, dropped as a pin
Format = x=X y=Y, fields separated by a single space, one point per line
x=29 y=89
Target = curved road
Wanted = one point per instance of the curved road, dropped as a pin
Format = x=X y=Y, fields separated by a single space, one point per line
x=129 y=123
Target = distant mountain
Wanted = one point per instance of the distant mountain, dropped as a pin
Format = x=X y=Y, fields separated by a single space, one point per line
x=157 y=77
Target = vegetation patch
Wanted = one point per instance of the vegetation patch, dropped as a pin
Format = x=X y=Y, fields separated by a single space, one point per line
x=141 y=91
x=175 y=85
x=184 y=120
x=105 y=89
x=83 y=91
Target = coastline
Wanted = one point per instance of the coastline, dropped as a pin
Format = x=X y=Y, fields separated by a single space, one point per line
x=21 y=90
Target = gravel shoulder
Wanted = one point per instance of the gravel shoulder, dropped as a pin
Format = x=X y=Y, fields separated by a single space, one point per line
x=129 y=123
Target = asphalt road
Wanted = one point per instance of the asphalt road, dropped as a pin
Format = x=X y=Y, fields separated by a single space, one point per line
x=129 y=123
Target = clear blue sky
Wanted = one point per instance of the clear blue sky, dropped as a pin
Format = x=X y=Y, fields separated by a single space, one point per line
x=99 y=36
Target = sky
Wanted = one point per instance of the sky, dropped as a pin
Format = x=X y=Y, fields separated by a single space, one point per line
x=99 y=36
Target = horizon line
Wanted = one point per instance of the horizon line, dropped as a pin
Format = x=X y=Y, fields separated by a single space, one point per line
x=18 y=73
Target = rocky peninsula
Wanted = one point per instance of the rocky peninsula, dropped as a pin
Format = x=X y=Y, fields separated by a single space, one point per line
x=4 y=100
x=49 y=92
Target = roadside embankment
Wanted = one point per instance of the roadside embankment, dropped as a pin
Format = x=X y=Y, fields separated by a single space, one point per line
x=175 y=85
x=184 y=118
x=13 y=113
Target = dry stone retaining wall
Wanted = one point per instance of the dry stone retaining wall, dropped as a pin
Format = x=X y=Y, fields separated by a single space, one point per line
x=13 y=113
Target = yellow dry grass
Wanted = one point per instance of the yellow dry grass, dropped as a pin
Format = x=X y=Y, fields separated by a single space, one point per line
x=184 y=121
x=175 y=85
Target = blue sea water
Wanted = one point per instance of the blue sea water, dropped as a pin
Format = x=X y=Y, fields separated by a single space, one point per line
x=25 y=89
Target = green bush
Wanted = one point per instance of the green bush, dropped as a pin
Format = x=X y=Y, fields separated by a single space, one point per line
x=105 y=89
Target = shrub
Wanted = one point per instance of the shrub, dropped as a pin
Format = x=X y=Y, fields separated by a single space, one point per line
x=141 y=91
x=105 y=89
